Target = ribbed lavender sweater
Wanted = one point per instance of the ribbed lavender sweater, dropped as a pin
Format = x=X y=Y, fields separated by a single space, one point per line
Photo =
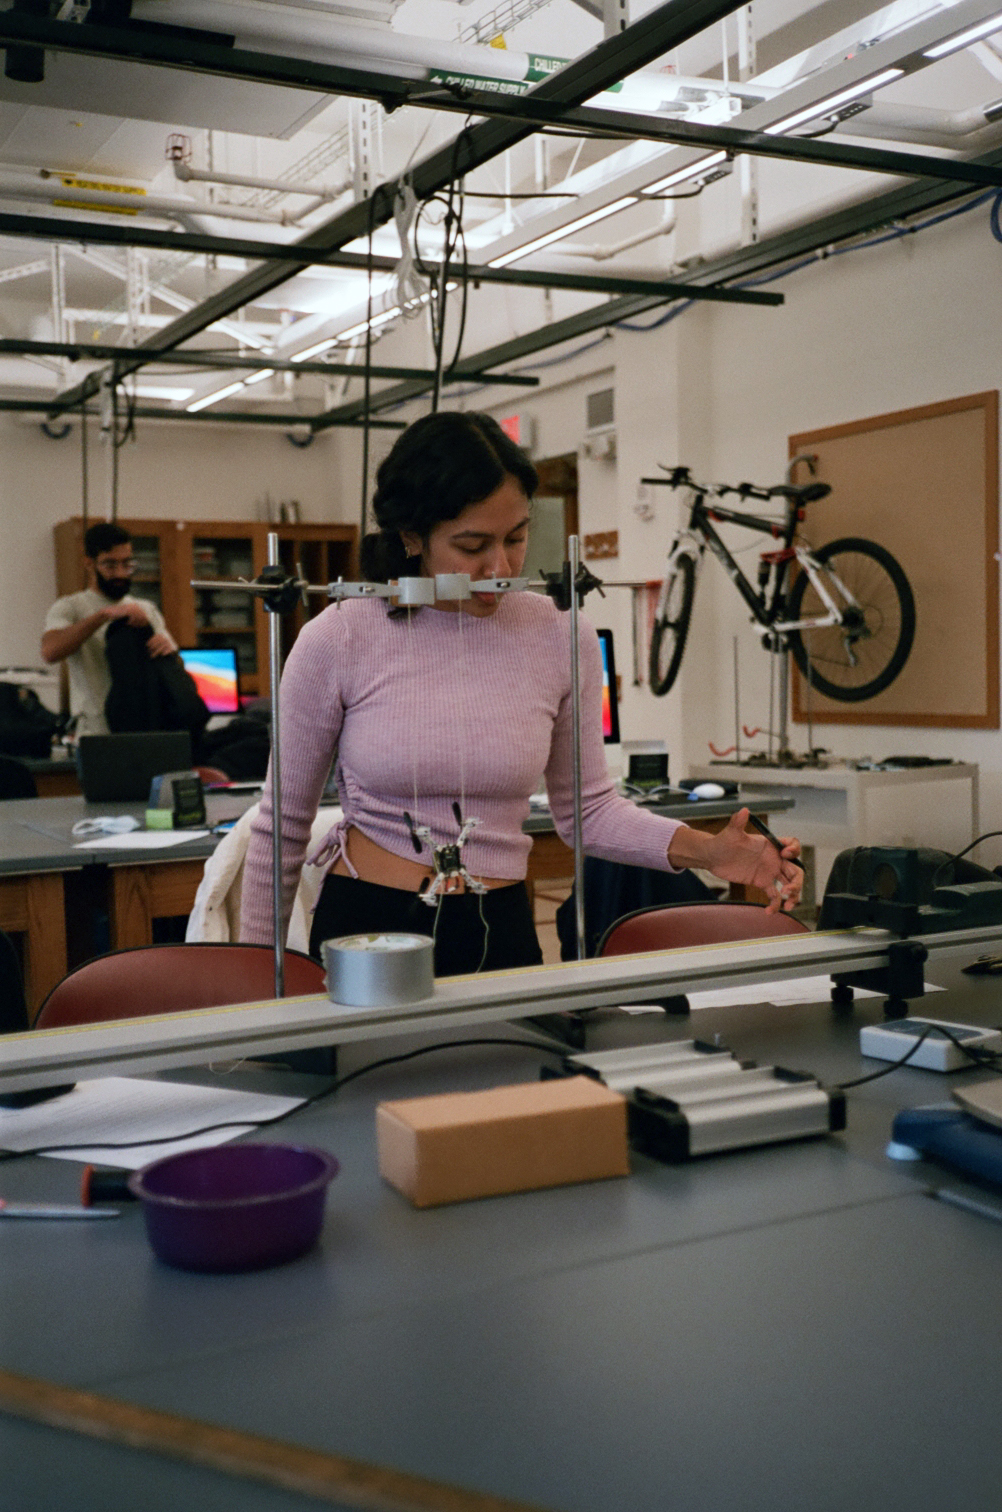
x=452 y=707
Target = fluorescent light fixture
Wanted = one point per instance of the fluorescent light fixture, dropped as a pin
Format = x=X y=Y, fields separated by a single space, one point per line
x=834 y=102
x=258 y=377
x=315 y=350
x=690 y=171
x=568 y=229
x=377 y=320
x=965 y=38
x=208 y=399
x=162 y=391
x=358 y=329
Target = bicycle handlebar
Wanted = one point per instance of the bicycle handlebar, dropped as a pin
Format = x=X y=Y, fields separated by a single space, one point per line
x=681 y=477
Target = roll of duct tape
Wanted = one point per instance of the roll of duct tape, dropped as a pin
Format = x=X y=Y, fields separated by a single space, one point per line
x=379 y=970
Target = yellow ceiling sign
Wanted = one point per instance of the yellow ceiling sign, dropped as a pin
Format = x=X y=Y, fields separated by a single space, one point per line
x=70 y=181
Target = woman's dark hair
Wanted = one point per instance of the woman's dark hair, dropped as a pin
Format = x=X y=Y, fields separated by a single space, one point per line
x=438 y=466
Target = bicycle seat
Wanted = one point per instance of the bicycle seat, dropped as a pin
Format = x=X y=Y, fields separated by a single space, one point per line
x=807 y=493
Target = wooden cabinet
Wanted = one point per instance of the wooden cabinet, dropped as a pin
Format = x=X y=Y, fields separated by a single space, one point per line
x=170 y=553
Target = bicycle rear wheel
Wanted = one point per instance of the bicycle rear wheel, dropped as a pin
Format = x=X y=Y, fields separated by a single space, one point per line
x=861 y=657
x=671 y=627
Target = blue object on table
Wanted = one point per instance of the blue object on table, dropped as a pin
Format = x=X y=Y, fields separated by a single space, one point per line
x=943 y=1132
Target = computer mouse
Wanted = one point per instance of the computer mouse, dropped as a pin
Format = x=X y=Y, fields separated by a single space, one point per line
x=707 y=790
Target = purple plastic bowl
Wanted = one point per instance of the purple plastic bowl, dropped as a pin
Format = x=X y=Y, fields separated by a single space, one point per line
x=235 y=1207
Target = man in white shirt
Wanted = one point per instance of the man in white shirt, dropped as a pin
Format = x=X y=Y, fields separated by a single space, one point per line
x=76 y=625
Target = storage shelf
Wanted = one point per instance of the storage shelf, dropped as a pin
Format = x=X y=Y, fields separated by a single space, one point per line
x=327 y=552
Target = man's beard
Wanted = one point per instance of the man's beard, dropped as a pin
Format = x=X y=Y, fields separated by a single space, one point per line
x=113 y=588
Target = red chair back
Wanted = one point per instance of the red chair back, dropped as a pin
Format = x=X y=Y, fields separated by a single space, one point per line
x=171 y=979
x=680 y=924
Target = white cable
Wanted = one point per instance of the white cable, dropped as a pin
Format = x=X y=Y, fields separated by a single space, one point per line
x=412 y=289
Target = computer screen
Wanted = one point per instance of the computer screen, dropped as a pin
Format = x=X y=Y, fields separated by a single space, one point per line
x=610 y=700
x=215 y=674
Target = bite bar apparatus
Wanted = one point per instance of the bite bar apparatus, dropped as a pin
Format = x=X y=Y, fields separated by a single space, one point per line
x=280 y=591
x=138 y=1047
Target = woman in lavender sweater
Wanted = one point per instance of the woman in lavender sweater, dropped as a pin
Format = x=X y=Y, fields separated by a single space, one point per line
x=461 y=703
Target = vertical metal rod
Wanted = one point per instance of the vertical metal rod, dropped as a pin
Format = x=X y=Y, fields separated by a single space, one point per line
x=810 y=692
x=574 y=561
x=635 y=605
x=772 y=698
x=275 y=672
x=784 y=702
x=737 y=708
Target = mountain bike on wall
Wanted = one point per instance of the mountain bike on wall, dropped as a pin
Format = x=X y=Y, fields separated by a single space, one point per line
x=845 y=612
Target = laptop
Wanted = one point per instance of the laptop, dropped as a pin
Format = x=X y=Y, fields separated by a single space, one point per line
x=120 y=768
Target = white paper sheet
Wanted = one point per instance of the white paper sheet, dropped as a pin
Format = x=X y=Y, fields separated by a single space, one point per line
x=121 y=1109
x=141 y=840
x=808 y=989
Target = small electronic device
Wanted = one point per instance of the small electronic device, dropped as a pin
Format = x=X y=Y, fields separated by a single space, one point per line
x=647 y=769
x=723 y=787
x=216 y=676
x=688 y=1098
x=909 y=891
x=179 y=795
x=610 y=696
x=189 y=801
x=937 y=1052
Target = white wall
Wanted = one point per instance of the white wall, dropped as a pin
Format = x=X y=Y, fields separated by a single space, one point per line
x=908 y=323
x=173 y=471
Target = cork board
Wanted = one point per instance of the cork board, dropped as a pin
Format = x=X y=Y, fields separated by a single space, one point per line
x=924 y=484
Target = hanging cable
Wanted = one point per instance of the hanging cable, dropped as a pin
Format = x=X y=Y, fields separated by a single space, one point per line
x=366 y=418
x=453 y=241
x=84 y=478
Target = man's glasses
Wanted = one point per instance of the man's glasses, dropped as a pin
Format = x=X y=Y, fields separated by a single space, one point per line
x=109 y=565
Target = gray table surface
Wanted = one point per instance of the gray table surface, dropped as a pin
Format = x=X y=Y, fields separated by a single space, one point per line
x=785 y=1328
x=36 y=834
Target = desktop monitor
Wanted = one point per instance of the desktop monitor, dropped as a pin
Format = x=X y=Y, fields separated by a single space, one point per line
x=610 y=699
x=216 y=678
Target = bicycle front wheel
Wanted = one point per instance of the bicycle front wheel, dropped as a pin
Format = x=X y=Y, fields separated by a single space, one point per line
x=672 y=625
x=862 y=656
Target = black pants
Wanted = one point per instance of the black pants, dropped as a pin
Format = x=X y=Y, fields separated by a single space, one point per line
x=348 y=906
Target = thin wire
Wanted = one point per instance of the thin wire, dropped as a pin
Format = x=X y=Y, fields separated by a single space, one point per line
x=84 y=476
x=988 y=835
x=415 y=683
x=459 y=741
x=487 y=934
x=978 y=1056
x=367 y=391
x=277 y=1118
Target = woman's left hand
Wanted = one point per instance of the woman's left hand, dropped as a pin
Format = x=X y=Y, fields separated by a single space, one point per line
x=735 y=855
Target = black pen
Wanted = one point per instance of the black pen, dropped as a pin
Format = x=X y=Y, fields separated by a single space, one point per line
x=763 y=829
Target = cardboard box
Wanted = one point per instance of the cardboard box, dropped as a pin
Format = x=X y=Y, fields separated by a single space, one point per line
x=507 y=1139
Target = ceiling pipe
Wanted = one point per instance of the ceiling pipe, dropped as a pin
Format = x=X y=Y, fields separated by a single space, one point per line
x=50 y=189
x=187 y=174
x=315 y=197
x=599 y=253
x=917 y=123
x=327 y=38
